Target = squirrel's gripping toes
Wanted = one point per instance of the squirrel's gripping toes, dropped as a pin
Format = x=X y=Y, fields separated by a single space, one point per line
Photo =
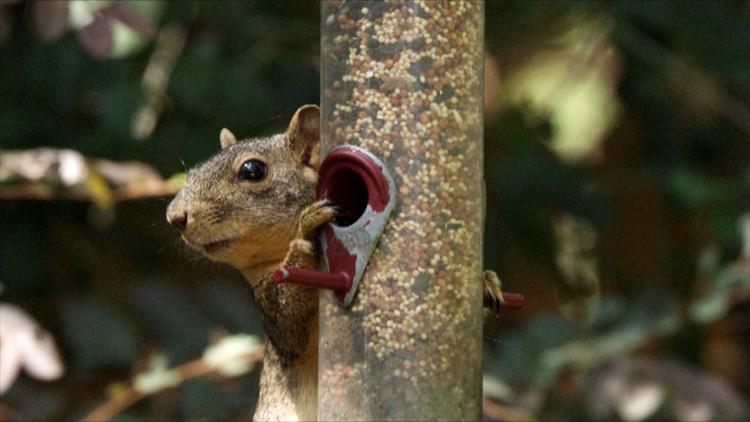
x=313 y=217
x=493 y=293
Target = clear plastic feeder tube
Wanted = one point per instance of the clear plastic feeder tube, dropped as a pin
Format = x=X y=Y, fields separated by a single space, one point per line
x=403 y=79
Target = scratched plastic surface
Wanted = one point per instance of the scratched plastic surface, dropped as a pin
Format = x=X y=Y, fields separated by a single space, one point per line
x=404 y=80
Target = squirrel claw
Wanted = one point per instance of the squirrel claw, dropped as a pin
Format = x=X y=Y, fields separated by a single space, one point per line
x=493 y=294
x=313 y=217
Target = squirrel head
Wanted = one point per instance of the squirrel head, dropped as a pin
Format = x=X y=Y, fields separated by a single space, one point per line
x=243 y=204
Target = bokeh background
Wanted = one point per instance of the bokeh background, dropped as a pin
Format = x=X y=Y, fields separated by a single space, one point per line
x=617 y=144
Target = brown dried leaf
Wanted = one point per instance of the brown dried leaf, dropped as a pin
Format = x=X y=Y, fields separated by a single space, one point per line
x=10 y=362
x=59 y=166
x=50 y=173
x=578 y=296
x=635 y=388
x=51 y=18
x=96 y=37
x=126 y=173
x=5 y=23
x=131 y=18
x=23 y=343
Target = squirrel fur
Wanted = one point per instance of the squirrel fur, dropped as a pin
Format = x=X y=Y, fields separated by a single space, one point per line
x=258 y=226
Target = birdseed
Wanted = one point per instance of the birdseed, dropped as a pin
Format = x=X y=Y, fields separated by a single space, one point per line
x=403 y=79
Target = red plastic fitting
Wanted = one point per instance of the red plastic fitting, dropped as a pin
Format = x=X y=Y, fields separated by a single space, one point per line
x=359 y=185
x=513 y=300
x=339 y=282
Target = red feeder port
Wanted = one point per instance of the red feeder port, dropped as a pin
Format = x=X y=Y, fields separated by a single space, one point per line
x=338 y=282
x=362 y=189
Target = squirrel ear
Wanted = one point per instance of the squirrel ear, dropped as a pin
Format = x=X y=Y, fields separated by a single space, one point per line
x=226 y=138
x=304 y=135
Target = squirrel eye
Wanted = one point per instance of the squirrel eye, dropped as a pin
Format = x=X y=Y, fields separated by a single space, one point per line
x=252 y=170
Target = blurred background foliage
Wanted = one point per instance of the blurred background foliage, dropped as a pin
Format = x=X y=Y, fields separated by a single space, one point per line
x=617 y=147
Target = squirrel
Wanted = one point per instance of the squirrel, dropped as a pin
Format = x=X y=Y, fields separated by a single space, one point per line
x=253 y=206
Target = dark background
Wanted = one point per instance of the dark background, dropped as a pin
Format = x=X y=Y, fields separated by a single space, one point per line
x=617 y=148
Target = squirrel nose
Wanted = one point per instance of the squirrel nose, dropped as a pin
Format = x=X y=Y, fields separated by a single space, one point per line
x=178 y=220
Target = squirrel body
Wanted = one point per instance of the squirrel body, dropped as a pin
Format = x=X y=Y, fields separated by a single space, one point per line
x=252 y=205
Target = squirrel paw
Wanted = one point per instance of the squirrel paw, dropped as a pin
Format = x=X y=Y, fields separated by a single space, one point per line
x=314 y=216
x=302 y=247
x=493 y=291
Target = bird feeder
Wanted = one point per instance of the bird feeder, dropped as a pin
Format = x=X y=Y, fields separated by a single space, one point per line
x=403 y=81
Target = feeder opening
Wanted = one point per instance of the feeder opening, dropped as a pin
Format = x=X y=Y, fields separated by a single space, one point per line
x=348 y=192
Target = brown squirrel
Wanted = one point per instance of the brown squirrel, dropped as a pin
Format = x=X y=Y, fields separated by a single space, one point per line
x=252 y=205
